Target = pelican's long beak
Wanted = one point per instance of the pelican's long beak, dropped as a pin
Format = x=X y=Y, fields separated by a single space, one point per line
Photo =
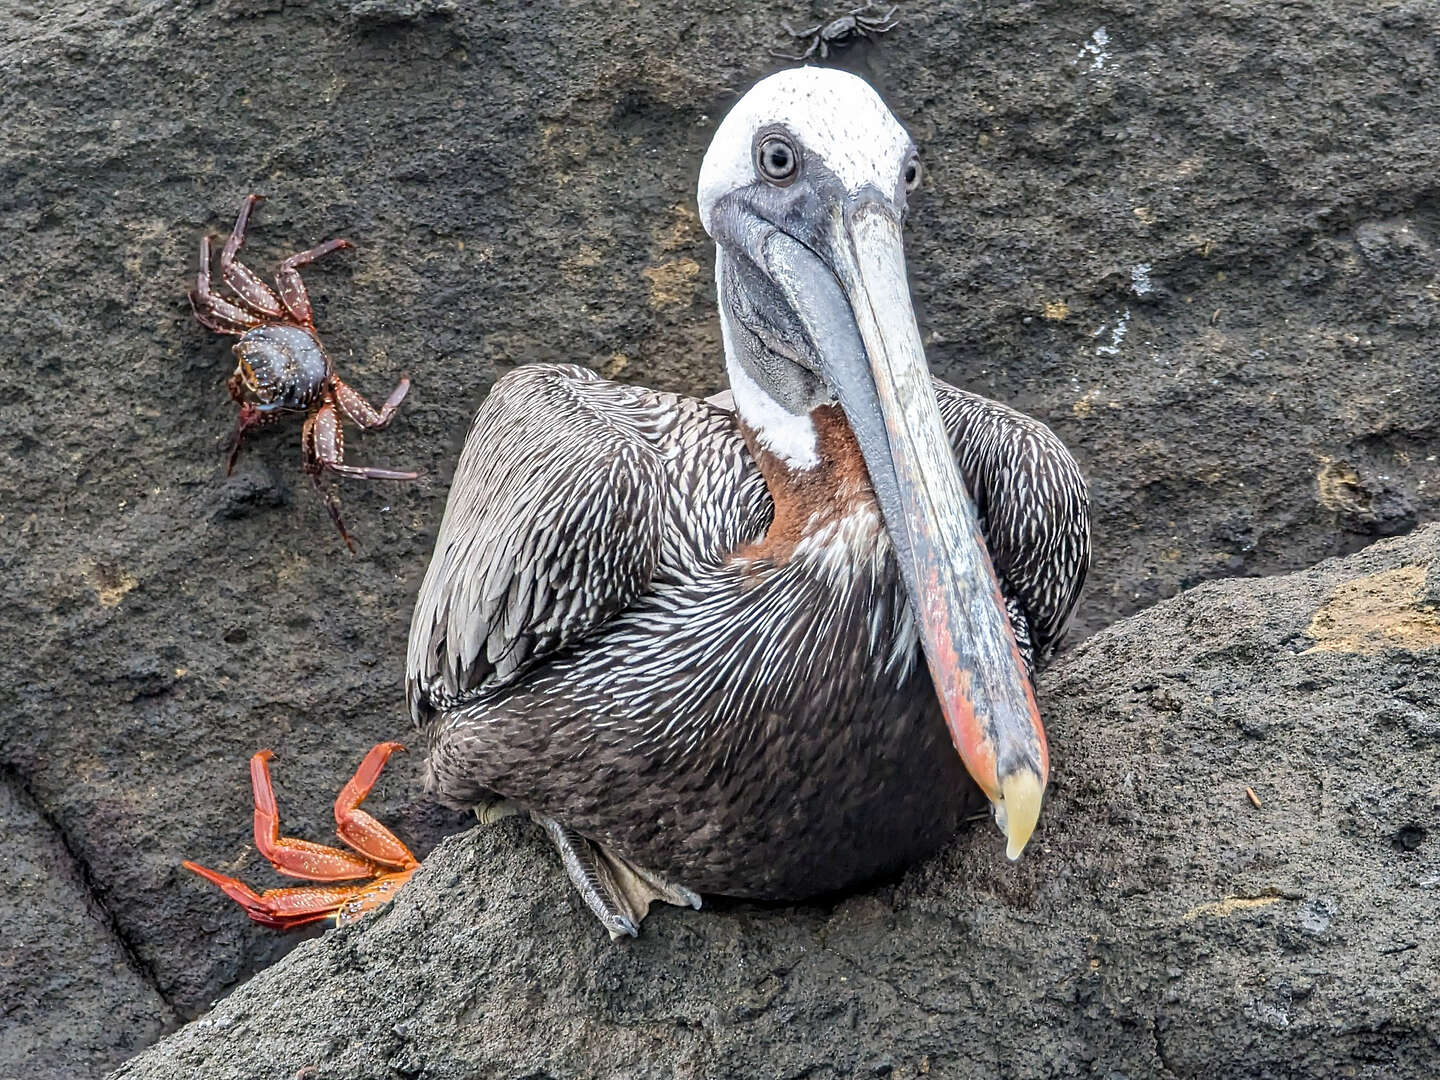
x=884 y=386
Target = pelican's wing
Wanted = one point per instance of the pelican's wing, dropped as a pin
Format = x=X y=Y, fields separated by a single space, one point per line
x=1033 y=506
x=562 y=508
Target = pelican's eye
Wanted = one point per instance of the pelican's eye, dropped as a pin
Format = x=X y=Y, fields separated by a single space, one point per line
x=912 y=175
x=777 y=160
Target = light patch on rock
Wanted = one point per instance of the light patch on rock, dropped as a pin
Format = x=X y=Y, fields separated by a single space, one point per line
x=1229 y=906
x=1117 y=335
x=1367 y=615
x=682 y=231
x=1096 y=50
x=111 y=584
x=578 y=269
x=672 y=284
x=1140 y=279
x=1315 y=915
x=1339 y=488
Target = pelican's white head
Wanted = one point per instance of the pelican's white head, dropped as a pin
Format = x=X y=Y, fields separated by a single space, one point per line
x=837 y=120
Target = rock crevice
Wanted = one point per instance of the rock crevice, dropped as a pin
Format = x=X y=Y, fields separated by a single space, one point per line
x=75 y=868
x=60 y=942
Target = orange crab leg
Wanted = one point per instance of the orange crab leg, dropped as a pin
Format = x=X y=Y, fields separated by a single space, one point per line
x=284 y=908
x=300 y=858
x=381 y=857
x=373 y=895
x=357 y=828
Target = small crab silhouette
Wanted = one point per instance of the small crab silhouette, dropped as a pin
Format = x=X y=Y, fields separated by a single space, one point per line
x=281 y=365
x=838 y=33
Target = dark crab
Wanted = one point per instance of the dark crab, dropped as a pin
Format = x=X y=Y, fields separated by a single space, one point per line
x=863 y=22
x=281 y=365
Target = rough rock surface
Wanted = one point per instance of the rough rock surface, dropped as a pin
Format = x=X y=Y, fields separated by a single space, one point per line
x=55 y=944
x=1162 y=926
x=1253 y=183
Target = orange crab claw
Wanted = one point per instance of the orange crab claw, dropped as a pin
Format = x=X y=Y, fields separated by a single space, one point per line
x=378 y=855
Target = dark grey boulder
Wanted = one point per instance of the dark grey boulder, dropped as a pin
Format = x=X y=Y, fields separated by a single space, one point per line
x=1162 y=925
x=73 y=998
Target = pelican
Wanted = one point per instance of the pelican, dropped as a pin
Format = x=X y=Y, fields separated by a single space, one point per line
x=732 y=646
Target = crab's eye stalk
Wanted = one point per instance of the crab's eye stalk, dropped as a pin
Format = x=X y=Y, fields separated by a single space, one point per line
x=912 y=175
x=777 y=160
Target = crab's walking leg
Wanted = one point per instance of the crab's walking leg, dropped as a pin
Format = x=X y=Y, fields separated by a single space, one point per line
x=384 y=860
x=357 y=828
x=332 y=505
x=353 y=404
x=328 y=445
x=800 y=33
x=281 y=908
x=250 y=288
x=316 y=468
x=251 y=416
x=218 y=314
x=297 y=858
x=378 y=892
x=292 y=289
x=813 y=33
x=323 y=442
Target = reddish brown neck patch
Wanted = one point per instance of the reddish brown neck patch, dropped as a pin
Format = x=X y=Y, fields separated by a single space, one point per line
x=807 y=499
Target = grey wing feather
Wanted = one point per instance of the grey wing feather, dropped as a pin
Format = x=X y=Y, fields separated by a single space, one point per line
x=553 y=526
x=1033 y=505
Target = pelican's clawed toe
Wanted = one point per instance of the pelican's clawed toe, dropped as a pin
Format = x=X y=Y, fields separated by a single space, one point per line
x=618 y=892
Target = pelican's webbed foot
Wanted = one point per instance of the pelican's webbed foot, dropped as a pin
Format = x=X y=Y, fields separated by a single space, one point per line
x=615 y=889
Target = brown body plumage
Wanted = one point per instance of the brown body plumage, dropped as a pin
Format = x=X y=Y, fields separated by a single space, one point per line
x=734 y=698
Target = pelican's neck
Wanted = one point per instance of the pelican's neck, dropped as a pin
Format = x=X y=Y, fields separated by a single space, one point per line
x=809 y=499
x=790 y=437
x=811 y=462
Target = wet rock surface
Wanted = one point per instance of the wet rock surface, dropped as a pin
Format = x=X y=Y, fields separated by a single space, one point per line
x=1200 y=241
x=1164 y=925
